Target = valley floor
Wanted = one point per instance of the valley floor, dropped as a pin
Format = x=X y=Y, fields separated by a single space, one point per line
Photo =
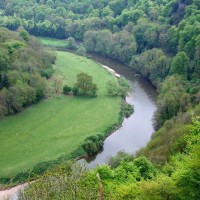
x=58 y=125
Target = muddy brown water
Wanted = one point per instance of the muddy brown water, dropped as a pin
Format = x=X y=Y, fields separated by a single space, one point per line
x=136 y=131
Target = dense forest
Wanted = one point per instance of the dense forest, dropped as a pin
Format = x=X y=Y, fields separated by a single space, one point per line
x=160 y=39
x=24 y=67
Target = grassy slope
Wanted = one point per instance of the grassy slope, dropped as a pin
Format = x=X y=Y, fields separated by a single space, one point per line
x=56 y=126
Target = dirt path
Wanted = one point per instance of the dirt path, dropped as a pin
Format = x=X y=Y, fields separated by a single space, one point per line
x=11 y=193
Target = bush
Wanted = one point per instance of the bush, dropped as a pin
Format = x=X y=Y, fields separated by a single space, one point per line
x=66 y=89
x=127 y=110
x=5 y=180
x=71 y=44
x=146 y=168
x=47 y=72
x=90 y=147
x=40 y=168
x=20 y=177
x=121 y=156
x=92 y=144
x=118 y=89
x=75 y=91
x=81 y=51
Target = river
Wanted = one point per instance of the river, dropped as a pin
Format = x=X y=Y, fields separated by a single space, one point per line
x=136 y=131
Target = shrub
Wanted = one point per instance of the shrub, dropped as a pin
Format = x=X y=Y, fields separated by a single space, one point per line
x=127 y=109
x=146 y=168
x=90 y=147
x=47 y=72
x=121 y=156
x=92 y=144
x=66 y=89
x=5 y=180
x=20 y=177
x=41 y=168
x=75 y=91
x=71 y=44
x=81 y=51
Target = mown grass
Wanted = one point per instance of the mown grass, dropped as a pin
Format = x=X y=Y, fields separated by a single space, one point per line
x=57 y=126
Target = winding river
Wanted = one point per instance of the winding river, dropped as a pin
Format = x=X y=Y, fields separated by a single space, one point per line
x=137 y=129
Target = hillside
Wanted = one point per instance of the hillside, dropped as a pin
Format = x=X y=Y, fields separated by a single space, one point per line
x=24 y=68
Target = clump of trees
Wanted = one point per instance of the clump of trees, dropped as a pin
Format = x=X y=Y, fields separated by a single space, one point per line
x=24 y=68
x=93 y=144
x=84 y=85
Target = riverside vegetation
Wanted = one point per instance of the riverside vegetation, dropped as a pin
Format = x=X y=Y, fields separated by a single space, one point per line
x=161 y=39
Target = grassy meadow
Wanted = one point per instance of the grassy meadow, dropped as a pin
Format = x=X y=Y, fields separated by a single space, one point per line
x=52 y=42
x=58 y=125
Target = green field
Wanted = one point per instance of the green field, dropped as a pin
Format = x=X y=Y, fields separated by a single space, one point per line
x=53 y=42
x=58 y=125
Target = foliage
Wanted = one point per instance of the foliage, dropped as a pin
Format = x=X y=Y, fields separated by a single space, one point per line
x=153 y=64
x=93 y=144
x=57 y=82
x=118 y=89
x=172 y=99
x=118 y=158
x=180 y=65
x=66 y=89
x=85 y=85
x=71 y=181
x=146 y=169
x=24 y=67
x=81 y=51
x=71 y=44
x=127 y=109
x=75 y=91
